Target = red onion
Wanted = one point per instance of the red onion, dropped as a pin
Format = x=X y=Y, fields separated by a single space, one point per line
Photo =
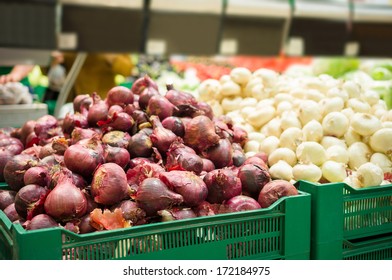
x=256 y=160
x=175 y=125
x=46 y=151
x=140 y=145
x=32 y=151
x=82 y=101
x=43 y=125
x=27 y=128
x=84 y=225
x=31 y=140
x=13 y=145
x=116 y=138
x=74 y=120
x=131 y=212
x=15 y=168
x=190 y=186
x=141 y=118
x=72 y=227
x=98 y=111
x=177 y=97
x=274 y=190
x=84 y=157
x=106 y=219
x=115 y=109
x=182 y=157
x=65 y=201
x=238 y=158
x=38 y=175
x=200 y=133
x=7 y=197
x=137 y=174
x=240 y=135
x=28 y=198
x=176 y=214
x=242 y=203
x=161 y=137
x=153 y=195
x=208 y=165
x=81 y=133
x=222 y=185
x=11 y=213
x=253 y=178
x=139 y=161
x=5 y=156
x=119 y=95
x=220 y=154
x=205 y=209
x=205 y=109
x=142 y=83
x=261 y=155
x=145 y=97
x=129 y=109
x=223 y=130
x=117 y=155
x=51 y=161
x=109 y=185
x=119 y=121
x=160 y=106
x=41 y=221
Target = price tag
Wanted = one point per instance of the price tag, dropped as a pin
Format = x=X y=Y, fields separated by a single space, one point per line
x=229 y=46
x=351 y=49
x=67 y=41
x=156 y=47
x=295 y=46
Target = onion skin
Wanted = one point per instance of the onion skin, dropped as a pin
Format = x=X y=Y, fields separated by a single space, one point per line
x=27 y=198
x=161 y=137
x=119 y=121
x=153 y=195
x=43 y=125
x=41 y=221
x=181 y=157
x=205 y=209
x=84 y=225
x=145 y=97
x=242 y=203
x=119 y=95
x=240 y=135
x=222 y=185
x=256 y=160
x=81 y=133
x=131 y=212
x=27 y=128
x=73 y=120
x=208 y=165
x=15 y=168
x=253 y=178
x=109 y=185
x=115 y=109
x=142 y=83
x=192 y=188
x=13 y=145
x=66 y=201
x=7 y=197
x=274 y=190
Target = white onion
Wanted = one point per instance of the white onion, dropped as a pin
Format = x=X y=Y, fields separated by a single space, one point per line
x=256 y=136
x=291 y=138
x=269 y=144
x=264 y=103
x=312 y=131
x=387 y=124
x=387 y=116
x=334 y=104
x=230 y=88
x=283 y=97
x=370 y=174
x=246 y=111
x=337 y=92
x=268 y=76
x=382 y=161
x=338 y=153
x=311 y=152
x=308 y=172
x=282 y=154
x=290 y=119
x=259 y=117
x=258 y=92
x=240 y=75
x=352 y=181
x=314 y=94
x=334 y=171
x=335 y=124
x=381 y=141
x=309 y=110
x=353 y=89
x=272 y=128
x=365 y=124
x=358 y=105
x=348 y=112
x=284 y=106
x=351 y=137
x=359 y=153
x=230 y=104
x=281 y=170
x=252 y=146
x=224 y=79
x=371 y=97
x=329 y=141
x=209 y=89
x=248 y=102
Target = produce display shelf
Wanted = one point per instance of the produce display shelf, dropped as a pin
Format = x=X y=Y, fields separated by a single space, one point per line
x=17 y=115
x=347 y=223
x=281 y=231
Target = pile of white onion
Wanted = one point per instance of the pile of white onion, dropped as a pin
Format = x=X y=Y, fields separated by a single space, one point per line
x=318 y=129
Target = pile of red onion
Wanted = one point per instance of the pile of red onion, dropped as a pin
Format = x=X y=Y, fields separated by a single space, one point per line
x=139 y=156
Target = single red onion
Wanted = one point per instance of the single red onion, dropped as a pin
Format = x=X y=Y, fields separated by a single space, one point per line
x=205 y=209
x=189 y=185
x=256 y=160
x=38 y=175
x=137 y=174
x=116 y=138
x=274 y=190
x=238 y=158
x=242 y=203
x=109 y=185
x=200 y=133
x=72 y=227
x=161 y=137
x=139 y=161
x=66 y=201
x=129 y=109
x=15 y=168
x=84 y=157
x=208 y=165
x=142 y=83
x=119 y=95
x=222 y=185
x=7 y=197
x=82 y=133
x=73 y=120
x=204 y=109
x=27 y=198
x=85 y=225
x=11 y=213
x=140 y=145
x=115 y=109
x=240 y=135
x=177 y=97
x=41 y=221
x=26 y=129
x=145 y=97
x=119 y=122
x=5 y=156
x=98 y=111
x=220 y=154
x=117 y=155
x=261 y=155
x=82 y=101
x=131 y=212
x=175 y=214
x=13 y=145
x=253 y=178
x=182 y=157
x=159 y=106
x=43 y=125
x=175 y=125
x=153 y=195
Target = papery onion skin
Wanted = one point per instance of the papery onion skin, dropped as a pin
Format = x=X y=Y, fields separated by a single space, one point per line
x=131 y=212
x=222 y=185
x=176 y=214
x=274 y=190
x=109 y=185
x=153 y=195
x=142 y=83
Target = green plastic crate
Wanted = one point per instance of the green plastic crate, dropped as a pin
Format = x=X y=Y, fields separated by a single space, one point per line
x=281 y=231
x=342 y=215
